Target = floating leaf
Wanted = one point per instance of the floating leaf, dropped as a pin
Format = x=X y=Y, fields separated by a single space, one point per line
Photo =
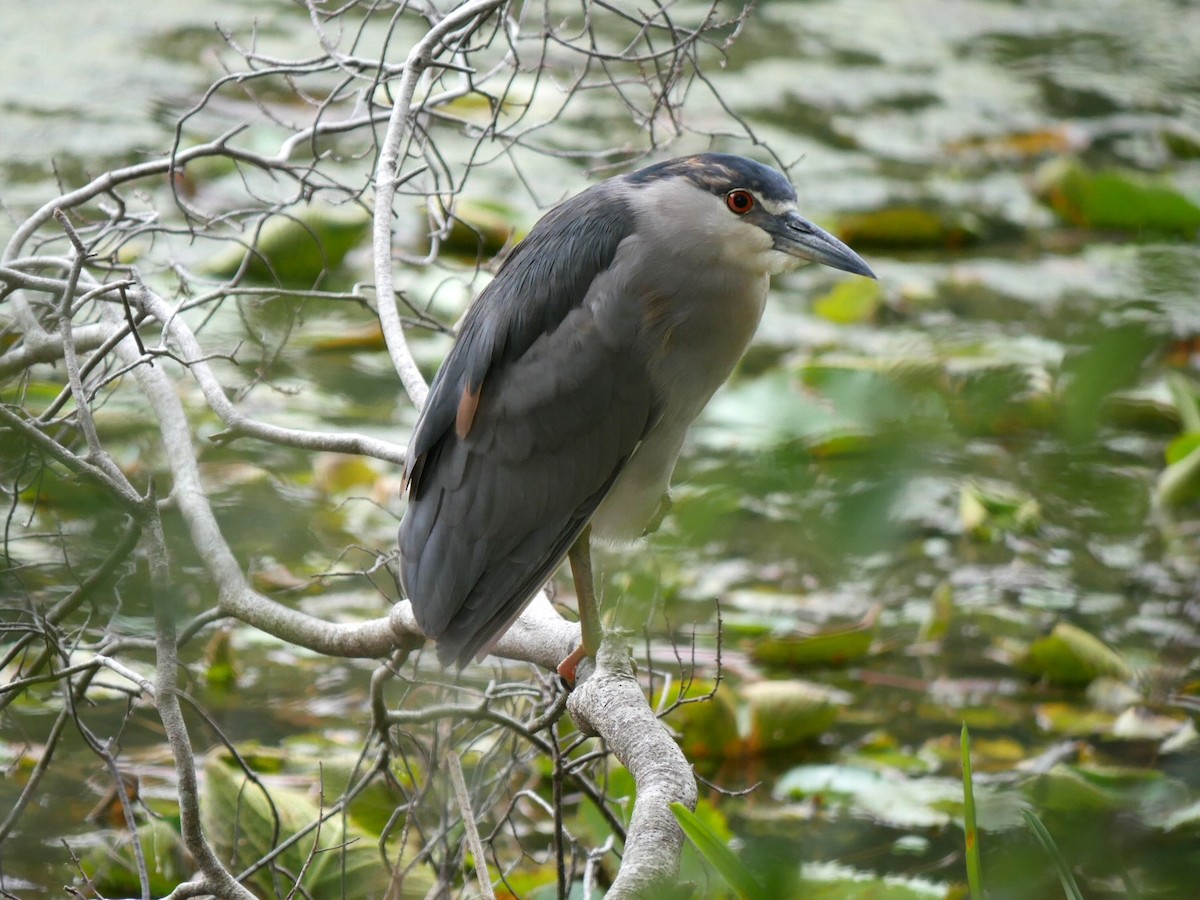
x=1022 y=144
x=480 y=229
x=907 y=226
x=1138 y=724
x=1179 y=483
x=778 y=714
x=1083 y=789
x=1071 y=720
x=367 y=337
x=1071 y=656
x=338 y=859
x=886 y=797
x=988 y=511
x=338 y=473
x=297 y=249
x=850 y=302
x=707 y=727
x=1115 y=198
x=830 y=881
x=836 y=646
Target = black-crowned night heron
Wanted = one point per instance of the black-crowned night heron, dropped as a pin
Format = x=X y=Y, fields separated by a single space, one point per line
x=563 y=404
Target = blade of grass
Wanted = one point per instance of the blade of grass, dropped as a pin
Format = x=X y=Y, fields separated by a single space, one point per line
x=1064 y=871
x=970 y=828
x=719 y=856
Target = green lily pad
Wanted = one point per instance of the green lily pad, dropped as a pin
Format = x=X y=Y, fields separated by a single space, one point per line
x=1081 y=789
x=837 y=646
x=1115 y=198
x=775 y=715
x=886 y=797
x=296 y=250
x=706 y=725
x=339 y=859
x=829 y=881
x=480 y=229
x=1071 y=656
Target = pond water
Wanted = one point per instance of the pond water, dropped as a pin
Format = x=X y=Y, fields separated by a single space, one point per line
x=954 y=478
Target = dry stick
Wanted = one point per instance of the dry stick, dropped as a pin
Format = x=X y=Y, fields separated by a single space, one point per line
x=420 y=58
x=65 y=607
x=35 y=777
x=236 y=597
x=217 y=878
x=468 y=817
x=120 y=484
x=183 y=338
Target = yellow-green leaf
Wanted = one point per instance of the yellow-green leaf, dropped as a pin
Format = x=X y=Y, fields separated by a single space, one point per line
x=850 y=302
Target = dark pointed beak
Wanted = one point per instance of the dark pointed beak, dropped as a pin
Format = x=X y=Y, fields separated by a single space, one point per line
x=799 y=237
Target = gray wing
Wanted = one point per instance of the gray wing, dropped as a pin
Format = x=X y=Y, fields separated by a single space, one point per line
x=530 y=420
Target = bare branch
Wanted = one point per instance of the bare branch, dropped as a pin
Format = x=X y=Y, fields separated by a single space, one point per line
x=610 y=703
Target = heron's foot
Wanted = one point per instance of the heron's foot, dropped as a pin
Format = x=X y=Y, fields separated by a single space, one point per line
x=566 y=668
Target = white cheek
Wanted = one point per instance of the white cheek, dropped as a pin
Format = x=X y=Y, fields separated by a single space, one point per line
x=748 y=246
x=776 y=262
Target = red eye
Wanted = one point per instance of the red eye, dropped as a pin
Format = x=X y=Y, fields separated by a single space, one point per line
x=739 y=202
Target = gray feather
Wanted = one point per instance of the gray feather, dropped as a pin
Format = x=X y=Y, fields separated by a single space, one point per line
x=563 y=403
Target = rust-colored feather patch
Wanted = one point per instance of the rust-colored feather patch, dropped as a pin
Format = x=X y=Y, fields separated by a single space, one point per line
x=468 y=403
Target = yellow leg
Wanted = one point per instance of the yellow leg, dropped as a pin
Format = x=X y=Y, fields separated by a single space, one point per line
x=580 y=557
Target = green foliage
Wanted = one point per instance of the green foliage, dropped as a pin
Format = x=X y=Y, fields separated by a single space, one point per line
x=718 y=854
x=1070 y=887
x=970 y=825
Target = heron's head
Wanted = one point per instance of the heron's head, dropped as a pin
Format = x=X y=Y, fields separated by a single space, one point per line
x=733 y=210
